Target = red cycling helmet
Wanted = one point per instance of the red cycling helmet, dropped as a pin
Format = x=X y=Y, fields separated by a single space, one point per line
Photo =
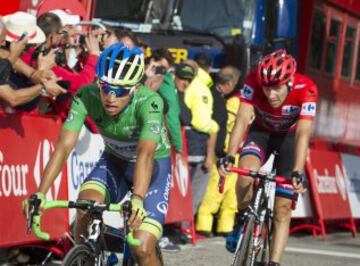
x=276 y=69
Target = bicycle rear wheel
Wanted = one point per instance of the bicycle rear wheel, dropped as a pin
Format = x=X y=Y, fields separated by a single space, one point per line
x=79 y=255
x=244 y=256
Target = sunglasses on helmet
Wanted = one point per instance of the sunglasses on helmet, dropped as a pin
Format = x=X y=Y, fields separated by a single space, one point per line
x=118 y=91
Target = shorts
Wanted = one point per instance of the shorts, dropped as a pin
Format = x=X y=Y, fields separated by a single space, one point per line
x=262 y=143
x=117 y=176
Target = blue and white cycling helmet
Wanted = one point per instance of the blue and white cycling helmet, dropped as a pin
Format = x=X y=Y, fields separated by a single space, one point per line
x=119 y=66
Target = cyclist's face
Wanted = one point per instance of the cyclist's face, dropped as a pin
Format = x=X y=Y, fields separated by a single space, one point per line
x=276 y=95
x=113 y=105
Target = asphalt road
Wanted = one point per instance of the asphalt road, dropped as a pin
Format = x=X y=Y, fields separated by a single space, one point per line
x=339 y=249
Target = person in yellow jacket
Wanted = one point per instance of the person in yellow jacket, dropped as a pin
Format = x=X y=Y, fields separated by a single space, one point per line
x=196 y=102
x=214 y=202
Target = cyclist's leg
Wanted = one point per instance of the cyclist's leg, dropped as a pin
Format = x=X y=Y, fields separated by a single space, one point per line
x=282 y=218
x=251 y=157
x=253 y=154
x=156 y=205
x=284 y=196
x=103 y=184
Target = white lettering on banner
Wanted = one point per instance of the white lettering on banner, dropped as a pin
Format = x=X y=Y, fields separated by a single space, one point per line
x=181 y=177
x=43 y=154
x=332 y=184
x=13 y=178
x=341 y=182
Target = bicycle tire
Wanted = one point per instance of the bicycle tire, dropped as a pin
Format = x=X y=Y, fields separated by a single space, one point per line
x=79 y=255
x=263 y=254
x=244 y=255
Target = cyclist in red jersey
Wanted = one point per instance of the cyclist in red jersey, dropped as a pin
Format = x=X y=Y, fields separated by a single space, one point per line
x=284 y=105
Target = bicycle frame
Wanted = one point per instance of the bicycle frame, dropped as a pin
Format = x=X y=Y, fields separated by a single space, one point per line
x=261 y=208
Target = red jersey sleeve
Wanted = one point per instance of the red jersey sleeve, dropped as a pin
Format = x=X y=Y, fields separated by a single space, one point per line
x=308 y=100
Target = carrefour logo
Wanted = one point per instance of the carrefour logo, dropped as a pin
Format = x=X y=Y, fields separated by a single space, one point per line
x=247 y=92
x=308 y=108
x=290 y=109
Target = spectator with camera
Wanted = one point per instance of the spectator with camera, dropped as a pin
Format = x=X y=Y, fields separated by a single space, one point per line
x=19 y=30
x=57 y=54
x=161 y=79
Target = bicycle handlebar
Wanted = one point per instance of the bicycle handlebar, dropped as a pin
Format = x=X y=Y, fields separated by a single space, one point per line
x=36 y=226
x=258 y=174
x=253 y=174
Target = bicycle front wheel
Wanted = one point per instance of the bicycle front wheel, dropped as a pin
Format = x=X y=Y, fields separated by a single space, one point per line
x=244 y=256
x=79 y=255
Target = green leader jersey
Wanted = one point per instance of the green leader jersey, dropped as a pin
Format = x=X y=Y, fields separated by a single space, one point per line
x=142 y=119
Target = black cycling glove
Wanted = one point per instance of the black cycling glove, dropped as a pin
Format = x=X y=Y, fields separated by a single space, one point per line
x=226 y=161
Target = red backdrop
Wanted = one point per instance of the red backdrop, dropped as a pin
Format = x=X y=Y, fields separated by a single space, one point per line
x=26 y=143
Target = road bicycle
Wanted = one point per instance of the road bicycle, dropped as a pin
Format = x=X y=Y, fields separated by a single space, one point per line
x=253 y=246
x=94 y=248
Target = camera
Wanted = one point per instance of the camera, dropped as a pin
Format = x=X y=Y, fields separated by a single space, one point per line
x=60 y=57
x=82 y=40
x=160 y=70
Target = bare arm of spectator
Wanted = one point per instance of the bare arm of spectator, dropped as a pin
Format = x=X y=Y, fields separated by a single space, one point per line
x=35 y=75
x=16 y=97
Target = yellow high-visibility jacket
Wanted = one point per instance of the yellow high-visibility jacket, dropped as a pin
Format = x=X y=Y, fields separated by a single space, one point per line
x=199 y=100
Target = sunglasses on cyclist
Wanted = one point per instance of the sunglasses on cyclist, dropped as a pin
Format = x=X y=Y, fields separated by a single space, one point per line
x=118 y=91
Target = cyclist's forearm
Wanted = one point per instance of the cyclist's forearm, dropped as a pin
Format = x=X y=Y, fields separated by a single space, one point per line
x=143 y=168
x=63 y=147
x=237 y=135
x=52 y=170
x=302 y=138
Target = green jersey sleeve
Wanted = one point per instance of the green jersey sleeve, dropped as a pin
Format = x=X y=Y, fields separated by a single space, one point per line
x=77 y=113
x=151 y=118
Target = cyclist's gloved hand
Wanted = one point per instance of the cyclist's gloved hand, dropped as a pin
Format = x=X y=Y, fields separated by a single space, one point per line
x=30 y=200
x=138 y=212
x=225 y=163
x=298 y=180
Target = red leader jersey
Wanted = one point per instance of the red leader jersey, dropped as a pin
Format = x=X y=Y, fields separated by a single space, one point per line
x=299 y=104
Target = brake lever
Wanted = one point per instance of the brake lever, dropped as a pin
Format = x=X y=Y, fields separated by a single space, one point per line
x=29 y=221
x=33 y=209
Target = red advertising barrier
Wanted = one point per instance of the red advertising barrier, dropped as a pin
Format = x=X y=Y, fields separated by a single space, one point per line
x=329 y=189
x=180 y=201
x=26 y=143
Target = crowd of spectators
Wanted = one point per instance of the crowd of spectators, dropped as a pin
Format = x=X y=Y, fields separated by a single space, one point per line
x=45 y=60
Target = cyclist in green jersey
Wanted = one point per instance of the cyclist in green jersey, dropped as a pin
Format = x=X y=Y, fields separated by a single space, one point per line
x=129 y=117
